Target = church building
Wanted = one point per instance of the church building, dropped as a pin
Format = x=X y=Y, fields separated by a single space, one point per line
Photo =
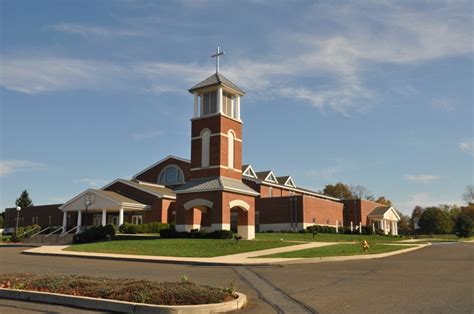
x=213 y=190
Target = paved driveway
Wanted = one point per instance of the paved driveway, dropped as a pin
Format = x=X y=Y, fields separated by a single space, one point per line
x=437 y=279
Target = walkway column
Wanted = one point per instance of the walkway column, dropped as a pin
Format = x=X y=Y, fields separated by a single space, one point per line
x=64 y=221
x=104 y=217
x=121 y=217
x=79 y=221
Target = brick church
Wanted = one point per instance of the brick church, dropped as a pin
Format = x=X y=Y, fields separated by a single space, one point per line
x=212 y=190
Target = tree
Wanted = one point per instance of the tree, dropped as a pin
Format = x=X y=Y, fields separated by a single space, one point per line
x=463 y=226
x=469 y=210
x=360 y=191
x=435 y=221
x=468 y=195
x=1 y=221
x=384 y=201
x=404 y=225
x=339 y=190
x=415 y=216
x=24 y=200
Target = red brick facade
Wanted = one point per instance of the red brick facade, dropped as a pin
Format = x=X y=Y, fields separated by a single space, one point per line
x=358 y=210
x=151 y=175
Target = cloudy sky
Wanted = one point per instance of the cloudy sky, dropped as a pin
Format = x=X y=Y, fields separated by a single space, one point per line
x=376 y=93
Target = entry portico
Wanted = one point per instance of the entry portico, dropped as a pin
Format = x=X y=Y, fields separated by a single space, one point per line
x=100 y=202
x=386 y=218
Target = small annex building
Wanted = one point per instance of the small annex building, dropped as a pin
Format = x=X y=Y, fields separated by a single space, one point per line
x=213 y=190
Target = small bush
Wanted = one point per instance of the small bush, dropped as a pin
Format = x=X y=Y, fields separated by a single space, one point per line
x=25 y=232
x=95 y=233
x=219 y=234
x=153 y=227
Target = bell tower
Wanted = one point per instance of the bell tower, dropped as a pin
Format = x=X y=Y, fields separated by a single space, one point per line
x=216 y=127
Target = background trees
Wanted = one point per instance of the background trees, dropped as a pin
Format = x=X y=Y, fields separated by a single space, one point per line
x=24 y=200
x=434 y=220
x=463 y=225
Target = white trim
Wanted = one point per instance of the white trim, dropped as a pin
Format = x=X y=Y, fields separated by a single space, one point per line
x=220 y=227
x=217 y=134
x=187 y=228
x=271 y=177
x=215 y=167
x=227 y=189
x=246 y=232
x=142 y=183
x=216 y=114
x=205 y=148
x=290 y=182
x=251 y=171
x=239 y=203
x=84 y=193
x=231 y=149
x=292 y=189
x=161 y=161
x=196 y=203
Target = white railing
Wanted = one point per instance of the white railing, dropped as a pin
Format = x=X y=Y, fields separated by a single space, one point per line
x=69 y=231
x=53 y=232
x=41 y=231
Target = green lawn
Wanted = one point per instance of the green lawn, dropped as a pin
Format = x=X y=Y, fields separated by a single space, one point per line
x=5 y=238
x=345 y=249
x=178 y=247
x=324 y=237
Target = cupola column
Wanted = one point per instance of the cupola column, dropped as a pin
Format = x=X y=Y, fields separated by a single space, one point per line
x=219 y=100
x=196 y=105
x=237 y=107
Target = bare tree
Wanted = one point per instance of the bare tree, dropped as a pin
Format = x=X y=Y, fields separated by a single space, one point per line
x=468 y=195
x=360 y=191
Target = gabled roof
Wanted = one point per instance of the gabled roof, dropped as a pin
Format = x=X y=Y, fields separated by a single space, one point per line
x=381 y=211
x=150 y=188
x=267 y=176
x=216 y=79
x=286 y=180
x=162 y=160
x=248 y=171
x=215 y=184
x=111 y=196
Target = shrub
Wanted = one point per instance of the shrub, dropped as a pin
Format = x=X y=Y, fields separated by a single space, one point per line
x=171 y=233
x=153 y=227
x=219 y=234
x=95 y=233
x=195 y=233
x=25 y=232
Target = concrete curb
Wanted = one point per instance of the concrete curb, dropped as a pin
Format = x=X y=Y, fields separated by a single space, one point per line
x=120 y=306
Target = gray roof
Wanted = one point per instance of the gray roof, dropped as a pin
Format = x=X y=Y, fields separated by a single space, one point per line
x=154 y=189
x=216 y=79
x=262 y=174
x=379 y=211
x=282 y=180
x=244 y=167
x=117 y=197
x=215 y=184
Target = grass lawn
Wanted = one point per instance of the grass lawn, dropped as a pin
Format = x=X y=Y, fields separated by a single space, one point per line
x=340 y=250
x=5 y=238
x=178 y=247
x=324 y=237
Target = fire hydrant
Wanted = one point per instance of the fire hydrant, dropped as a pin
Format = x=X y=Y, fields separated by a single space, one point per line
x=365 y=246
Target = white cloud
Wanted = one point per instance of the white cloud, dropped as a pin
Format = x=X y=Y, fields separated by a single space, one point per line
x=32 y=75
x=423 y=199
x=8 y=167
x=324 y=173
x=91 y=30
x=467 y=146
x=422 y=178
x=92 y=182
x=147 y=135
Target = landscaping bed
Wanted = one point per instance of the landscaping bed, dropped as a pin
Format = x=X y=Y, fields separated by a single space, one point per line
x=129 y=290
x=345 y=249
x=178 y=247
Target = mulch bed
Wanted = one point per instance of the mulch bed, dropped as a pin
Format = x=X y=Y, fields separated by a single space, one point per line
x=131 y=290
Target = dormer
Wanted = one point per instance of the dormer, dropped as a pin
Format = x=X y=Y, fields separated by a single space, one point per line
x=267 y=176
x=247 y=171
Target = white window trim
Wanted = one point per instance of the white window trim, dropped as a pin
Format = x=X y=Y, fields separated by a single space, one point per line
x=166 y=168
x=249 y=172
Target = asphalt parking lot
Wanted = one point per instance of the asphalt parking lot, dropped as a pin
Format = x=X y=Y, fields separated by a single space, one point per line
x=436 y=279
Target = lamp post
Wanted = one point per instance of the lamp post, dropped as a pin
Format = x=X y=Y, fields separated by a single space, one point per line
x=18 y=209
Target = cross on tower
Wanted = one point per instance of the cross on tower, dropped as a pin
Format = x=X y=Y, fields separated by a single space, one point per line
x=217 y=55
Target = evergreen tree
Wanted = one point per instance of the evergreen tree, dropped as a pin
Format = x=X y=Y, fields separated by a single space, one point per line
x=24 y=200
x=435 y=221
x=463 y=226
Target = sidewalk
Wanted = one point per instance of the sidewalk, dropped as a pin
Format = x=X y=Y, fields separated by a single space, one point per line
x=227 y=260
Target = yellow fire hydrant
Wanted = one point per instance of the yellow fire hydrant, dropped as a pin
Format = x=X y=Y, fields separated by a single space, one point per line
x=365 y=246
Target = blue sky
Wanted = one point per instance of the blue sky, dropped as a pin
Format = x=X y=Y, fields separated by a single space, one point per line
x=376 y=93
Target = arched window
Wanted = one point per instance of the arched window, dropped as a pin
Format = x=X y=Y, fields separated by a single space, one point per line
x=170 y=175
x=205 y=146
x=230 y=146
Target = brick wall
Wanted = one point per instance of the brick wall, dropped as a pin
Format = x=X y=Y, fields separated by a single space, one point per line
x=43 y=215
x=151 y=175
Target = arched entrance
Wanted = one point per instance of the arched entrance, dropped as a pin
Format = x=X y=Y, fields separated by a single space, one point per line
x=198 y=215
x=239 y=219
